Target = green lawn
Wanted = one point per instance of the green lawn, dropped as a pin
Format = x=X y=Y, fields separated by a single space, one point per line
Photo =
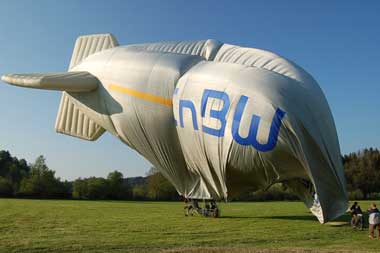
x=106 y=226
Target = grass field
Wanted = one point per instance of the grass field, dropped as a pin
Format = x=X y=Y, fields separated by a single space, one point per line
x=106 y=226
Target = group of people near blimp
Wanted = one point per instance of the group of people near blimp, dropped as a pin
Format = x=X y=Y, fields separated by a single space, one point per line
x=373 y=218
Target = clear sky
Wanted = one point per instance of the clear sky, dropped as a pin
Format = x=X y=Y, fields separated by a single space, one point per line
x=338 y=42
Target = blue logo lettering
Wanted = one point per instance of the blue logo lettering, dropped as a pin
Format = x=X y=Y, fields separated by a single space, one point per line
x=187 y=104
x=220 y=115
x=255 y=121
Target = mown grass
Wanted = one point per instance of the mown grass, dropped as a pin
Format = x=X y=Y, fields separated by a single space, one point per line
x=106 y=226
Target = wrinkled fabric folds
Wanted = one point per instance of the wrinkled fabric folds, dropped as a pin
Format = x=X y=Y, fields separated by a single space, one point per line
x=215 y=119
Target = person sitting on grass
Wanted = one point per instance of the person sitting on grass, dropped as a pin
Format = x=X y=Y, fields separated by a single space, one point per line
x=374 y=220
x=356 y=213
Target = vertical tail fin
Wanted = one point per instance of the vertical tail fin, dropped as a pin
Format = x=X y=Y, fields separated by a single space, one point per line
x=90 y=44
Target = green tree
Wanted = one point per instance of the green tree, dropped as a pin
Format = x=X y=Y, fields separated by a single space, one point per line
x=100 y=188
x=115 y=183
x=80 y=189
x=117 y=188
x=6 y=189
x=362 y=171
x=97 y=188
x=41 y=182
x=139 y=192
x=12 y=169
x=159 y=188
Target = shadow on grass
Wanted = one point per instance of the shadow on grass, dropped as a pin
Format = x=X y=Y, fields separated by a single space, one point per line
x=345 y=217
x=342 y=220
x=294 y=217
x=290 y=217
x=236 y=217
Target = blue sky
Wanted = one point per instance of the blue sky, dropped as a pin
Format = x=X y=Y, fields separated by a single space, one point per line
x=336 y=41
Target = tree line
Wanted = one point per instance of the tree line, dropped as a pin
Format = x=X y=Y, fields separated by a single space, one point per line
x=36 y=180
x=362 y=171
x=21 y=179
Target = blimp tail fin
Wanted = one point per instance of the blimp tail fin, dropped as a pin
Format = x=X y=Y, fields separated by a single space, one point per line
x=90 y=44
x=73 y=117
x=75 y=120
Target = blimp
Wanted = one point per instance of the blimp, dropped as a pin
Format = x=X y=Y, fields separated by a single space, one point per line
x=215 y=119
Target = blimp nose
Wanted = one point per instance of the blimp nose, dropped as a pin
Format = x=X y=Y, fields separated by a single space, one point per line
x=324 y=193
x=308 y=135
x=330 y=199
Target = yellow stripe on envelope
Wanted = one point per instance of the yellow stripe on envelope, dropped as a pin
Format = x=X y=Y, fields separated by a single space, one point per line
x=141 y=95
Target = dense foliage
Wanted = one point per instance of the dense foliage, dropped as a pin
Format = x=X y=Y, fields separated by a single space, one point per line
x=17 y=178
x=362 y=170
x=12 y=171
x=36 y=180
x=100 y=188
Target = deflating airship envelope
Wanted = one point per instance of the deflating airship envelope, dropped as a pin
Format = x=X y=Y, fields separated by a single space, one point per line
x=250 y=119
x=215 y=119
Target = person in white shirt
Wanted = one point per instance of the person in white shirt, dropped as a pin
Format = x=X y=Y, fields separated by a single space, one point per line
x=374 y=220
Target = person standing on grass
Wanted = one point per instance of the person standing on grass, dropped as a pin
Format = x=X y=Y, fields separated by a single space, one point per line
x=356 y=213
x=374 y=220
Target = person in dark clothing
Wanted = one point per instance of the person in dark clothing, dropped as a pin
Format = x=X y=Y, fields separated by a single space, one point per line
x=356 y=213
x=355 y=209
x=374 y=220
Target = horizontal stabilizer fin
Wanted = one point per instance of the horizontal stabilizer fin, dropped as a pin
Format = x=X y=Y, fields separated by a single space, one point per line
x=72 y=120
x=79 y=81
